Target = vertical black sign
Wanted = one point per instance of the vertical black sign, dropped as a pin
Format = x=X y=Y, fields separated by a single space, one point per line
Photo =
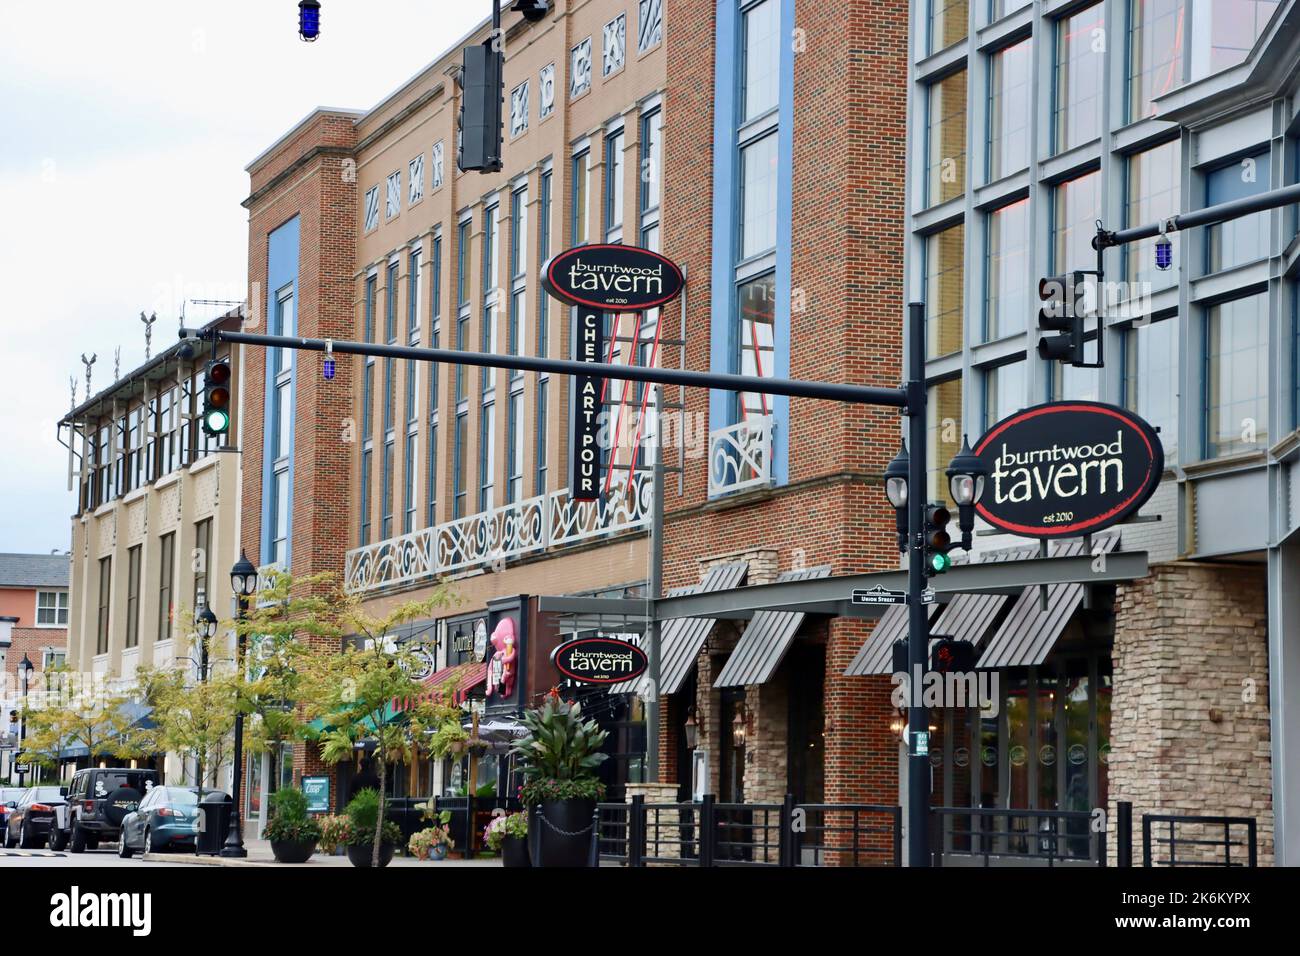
x=584 y=445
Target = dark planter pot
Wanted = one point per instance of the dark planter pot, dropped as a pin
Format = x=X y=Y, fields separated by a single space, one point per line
x=564 y=837
x=514 y=852
x=360 y=855
x=293 y=851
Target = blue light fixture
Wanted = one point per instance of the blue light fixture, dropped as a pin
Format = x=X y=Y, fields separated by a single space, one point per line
x=329 y=369
x=1164 y=253
x=309 y=20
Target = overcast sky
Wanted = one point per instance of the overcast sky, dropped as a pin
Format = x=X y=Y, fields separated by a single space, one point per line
x=124 y=132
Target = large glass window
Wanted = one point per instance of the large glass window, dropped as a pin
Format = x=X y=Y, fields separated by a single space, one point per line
x=1223 y=32
x=581 y=181
x=1152 y=193
x=1243 y=240
x=1009 y=266
x=514 y=447
x=1151 y=378
x=486 y=457
x=947 y=23
x=756 y=346
x=1069 y=382
x=761 y=61
x=386 y=493
x=1004 y=392
x=758 y=172
x=458 y=489
x=1076 y=206
x=945 y=288
x=166 y=576
x=367 y=457
x=202 y=563
x=1009 y=103
x=133 y=596
x=946 y=139
x=1157 y=34
x=614 y=146
x=105 y=596
x=1236 y=376
x=944 y=433
x=1080 y=67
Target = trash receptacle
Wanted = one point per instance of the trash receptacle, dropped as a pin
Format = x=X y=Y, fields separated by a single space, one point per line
x=214 y=822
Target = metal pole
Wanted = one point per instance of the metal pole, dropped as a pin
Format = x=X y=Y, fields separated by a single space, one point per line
x=1210 y=215
x=656 y=592
x=918 y=717
x=795 y=388
x=234 y=846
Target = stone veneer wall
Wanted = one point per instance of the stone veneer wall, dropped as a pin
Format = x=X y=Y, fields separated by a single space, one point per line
x=1190 y=714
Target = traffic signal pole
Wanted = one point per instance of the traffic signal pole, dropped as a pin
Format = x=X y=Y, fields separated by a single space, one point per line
x=910 y=399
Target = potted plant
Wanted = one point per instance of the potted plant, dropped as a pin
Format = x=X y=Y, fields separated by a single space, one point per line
x=509 y=835
x=335 y=834
x=292 y=831
x=560 y=754
x=432 y=842
x=363 y=814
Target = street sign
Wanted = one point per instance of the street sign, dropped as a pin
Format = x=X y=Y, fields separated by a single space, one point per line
x=317 y=792
x=878 y=595
x=928 y=596
x=1066 y=469
x=589 y=393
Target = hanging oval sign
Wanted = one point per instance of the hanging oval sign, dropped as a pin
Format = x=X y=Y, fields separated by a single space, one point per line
x=613 y=278
x=599 y=660
x=1065 y=469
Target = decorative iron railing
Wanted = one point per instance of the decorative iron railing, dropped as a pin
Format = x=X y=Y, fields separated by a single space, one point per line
x=740 y=456
x=498 y=535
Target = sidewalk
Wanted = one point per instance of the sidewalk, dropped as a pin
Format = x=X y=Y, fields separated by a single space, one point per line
x=259 y=854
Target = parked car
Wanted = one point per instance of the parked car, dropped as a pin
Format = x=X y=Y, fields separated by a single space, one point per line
x=31 y=818
x=98 y=800
x=166 y=817
x=9 y=797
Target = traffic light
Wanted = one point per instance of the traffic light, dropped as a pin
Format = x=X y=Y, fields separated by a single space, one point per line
x=1063 y=308
x=532 y=10
x=479 y=122
x=937 y=540
x=216 y=397
x=952 y=656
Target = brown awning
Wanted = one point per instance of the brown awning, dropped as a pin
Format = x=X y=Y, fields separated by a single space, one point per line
x=1030 y=631
x=767 y=637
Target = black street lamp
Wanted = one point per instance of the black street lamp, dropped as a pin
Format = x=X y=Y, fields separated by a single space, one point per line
x=967 y=475
x=205 y=625
x=243 y=581
x=25 y=668
x=896 y=492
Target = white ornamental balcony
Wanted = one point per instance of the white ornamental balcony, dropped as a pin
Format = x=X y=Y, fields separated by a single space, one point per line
x=511 y=531
x=740 y=456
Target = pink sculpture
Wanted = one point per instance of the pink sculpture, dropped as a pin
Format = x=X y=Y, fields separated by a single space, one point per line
x=501 y=673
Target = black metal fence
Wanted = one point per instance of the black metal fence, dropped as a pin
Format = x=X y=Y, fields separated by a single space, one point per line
x=1210 y=844
x=467 y=814
x=994 y=836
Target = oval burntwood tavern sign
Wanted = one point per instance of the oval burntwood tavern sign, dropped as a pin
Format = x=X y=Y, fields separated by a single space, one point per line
x=1065 y=469
x=613 y=278
x=599 y=660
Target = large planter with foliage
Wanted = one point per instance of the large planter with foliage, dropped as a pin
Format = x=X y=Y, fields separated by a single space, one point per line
x=362 y=854
x=508 y=835
x=358 y=832
x=560 y=755
x=292 y=832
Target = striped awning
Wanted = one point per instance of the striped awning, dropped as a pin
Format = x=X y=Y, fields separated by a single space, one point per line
x=877 y=655
x=767 y=637
x=968 y=617
x=667 y=633
x=679 y=651
x=464 y=677
x=1031 y=630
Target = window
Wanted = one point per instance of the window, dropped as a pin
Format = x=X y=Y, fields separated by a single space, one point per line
x=614 y=46
x=614 y=144
x=652 y=148
x=1002 y=8
x=1223 y=32
x=431 y=477
x=281 y=424
x=756 y=345
x=1009 y=104
x=517 y=318
x=514 y=447
x=435 y=341
x=415 y=180
x=166 y=575
x=1068 y=382
x=1076 y=206
x=1152 y=193
x=760 y=84
x=491 y=292
x=393 y=195
x=1009 y=265
x=546 y=91
x=462 y=299
x=1243 y=240
x=53 y=658
x=51 y=608
x=367 y=455
x=372 y=208
x=519 y=109
x=486 y=456
x=1151 y=378
x=944 y=434
x=1157 y=33
x=543 y=335
x=947 y=23
x=133 y=597
x=202 y=558
x=539 y=478
x=1080 y=67
x=1236 y=376
x=105 y=595
x=650 y=24
x=1005 y=392
x=578 y=215
x=946 y=139
x=580 y=69
x=458 y=490
x=945 y=285
x=386 y=493
x=436 y=166
x=758 y=178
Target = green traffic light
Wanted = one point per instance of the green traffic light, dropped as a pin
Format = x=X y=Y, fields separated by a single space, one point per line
x=940 y=562
x=217 y=421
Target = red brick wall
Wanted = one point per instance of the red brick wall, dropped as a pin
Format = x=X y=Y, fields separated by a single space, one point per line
x=848 y=212
x=32 y=641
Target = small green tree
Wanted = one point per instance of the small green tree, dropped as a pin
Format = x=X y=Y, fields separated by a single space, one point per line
x=96 y=716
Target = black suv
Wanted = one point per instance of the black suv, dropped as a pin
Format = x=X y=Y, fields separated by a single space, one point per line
x=98 y=799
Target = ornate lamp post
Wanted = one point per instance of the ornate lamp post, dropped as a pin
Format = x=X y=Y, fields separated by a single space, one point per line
x=205 y=624
x=243 y=581
x=967 y=475
x=25 y=668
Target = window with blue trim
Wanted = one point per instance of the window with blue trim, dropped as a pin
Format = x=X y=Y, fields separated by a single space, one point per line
x=1150 y=370
x=1238 y=241
x=435 y=341
x=578 y=217
x=1235 y=379
x=280 y=423
x=613 y=205
x=543 y=333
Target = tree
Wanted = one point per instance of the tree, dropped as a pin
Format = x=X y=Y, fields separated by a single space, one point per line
x=194 y=716
x=98 y=717
x=351 y=692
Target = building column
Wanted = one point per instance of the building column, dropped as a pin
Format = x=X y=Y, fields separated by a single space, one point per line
x=1284 y=669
